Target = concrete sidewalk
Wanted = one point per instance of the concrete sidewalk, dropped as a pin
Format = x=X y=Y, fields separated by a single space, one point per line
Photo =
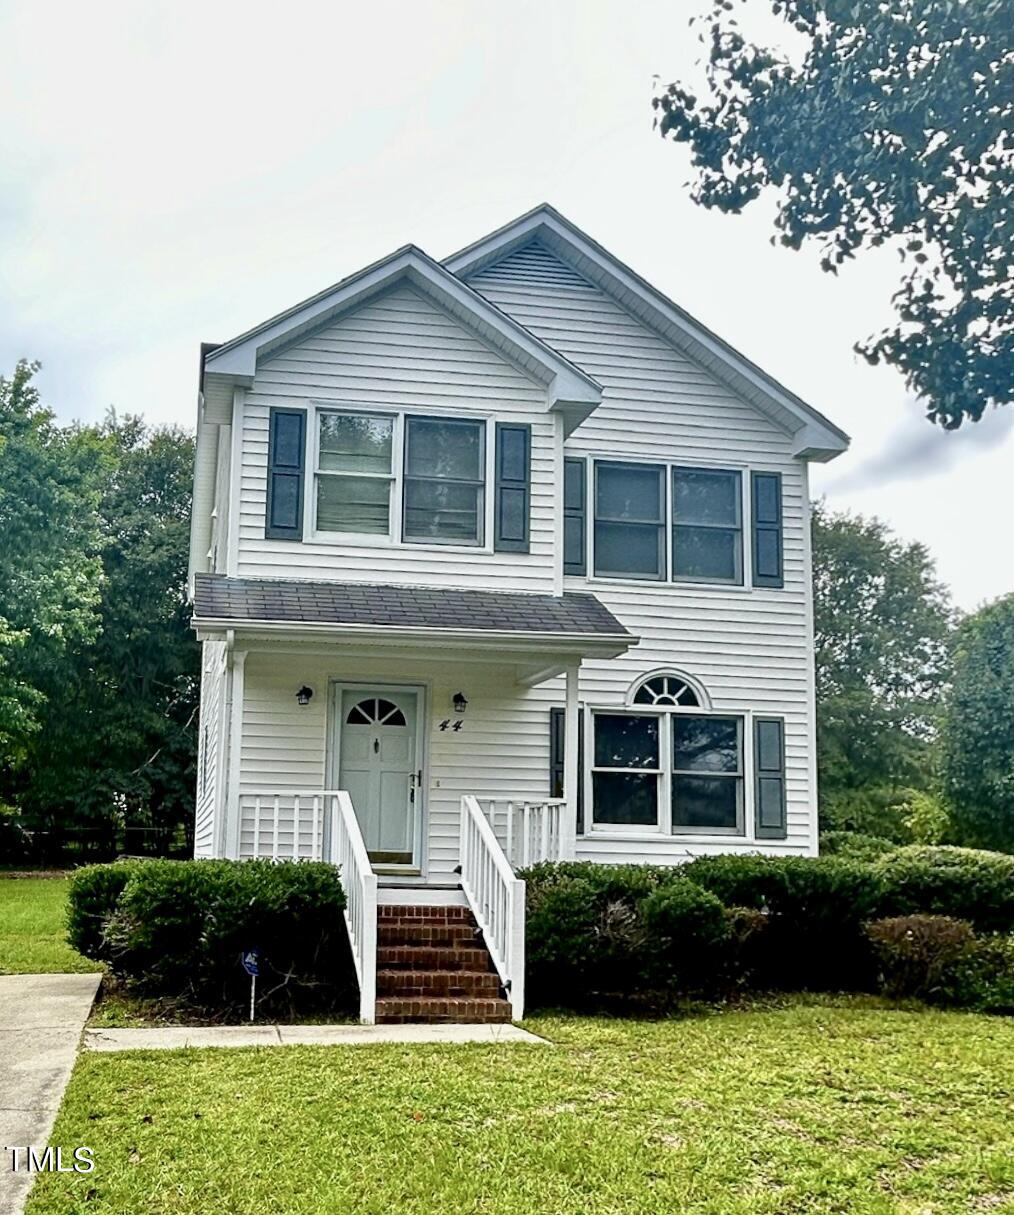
x=173 y=1037
x=41 y=1018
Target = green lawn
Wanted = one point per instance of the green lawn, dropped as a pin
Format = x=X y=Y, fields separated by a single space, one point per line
x=808 y=1109
x=32 y=928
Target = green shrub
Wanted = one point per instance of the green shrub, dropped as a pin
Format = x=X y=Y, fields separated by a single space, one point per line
x=92 y=898
x=916 y=953
x=854 y=845
x=684 y=930
x=983 y=979
x=963 y=883
x=177 y=930
x=816 y=907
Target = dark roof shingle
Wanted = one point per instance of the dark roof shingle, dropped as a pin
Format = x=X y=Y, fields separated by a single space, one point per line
x=251 y=600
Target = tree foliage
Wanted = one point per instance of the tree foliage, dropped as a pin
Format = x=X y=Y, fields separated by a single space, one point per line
x=881 y=629
x=51 y=572
x=893 y=125
x=978 y=735
x=113 y=739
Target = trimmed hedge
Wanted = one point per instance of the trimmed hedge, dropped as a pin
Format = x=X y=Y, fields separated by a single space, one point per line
x=177 y=928
x=965 y=883
x=595 y=932
x=855 y=845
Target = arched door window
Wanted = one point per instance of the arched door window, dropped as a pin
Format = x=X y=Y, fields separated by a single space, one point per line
x=375 y=711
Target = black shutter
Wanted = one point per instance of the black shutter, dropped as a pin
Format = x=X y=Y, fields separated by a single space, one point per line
x=557 y=733
x=766 y=500
x=286 y=460
x=513 y=488
x=575 y=515
x=769 y=777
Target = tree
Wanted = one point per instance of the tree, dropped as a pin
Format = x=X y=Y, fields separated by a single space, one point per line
x=118 y=745
x=50 y=574
x=978 y=735
x=882 y=622
x=893 y=125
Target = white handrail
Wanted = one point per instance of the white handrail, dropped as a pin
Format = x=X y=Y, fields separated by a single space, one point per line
x=280 y=825
x=348 y=851
x=497 y=900
x=532 y=831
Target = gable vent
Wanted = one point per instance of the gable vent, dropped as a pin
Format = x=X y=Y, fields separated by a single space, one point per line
x=531 y=264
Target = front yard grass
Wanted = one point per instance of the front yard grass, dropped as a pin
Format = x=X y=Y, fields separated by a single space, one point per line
x=33 y=928
x=806 y=1110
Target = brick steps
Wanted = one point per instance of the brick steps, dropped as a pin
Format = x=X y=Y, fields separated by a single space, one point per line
x=433 y=966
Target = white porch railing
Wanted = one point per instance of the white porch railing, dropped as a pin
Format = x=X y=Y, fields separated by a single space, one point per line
x=497 y=900
x=287 y=826
x=530 y=832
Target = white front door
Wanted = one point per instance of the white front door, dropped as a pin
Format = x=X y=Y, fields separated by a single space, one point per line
x=378 y=768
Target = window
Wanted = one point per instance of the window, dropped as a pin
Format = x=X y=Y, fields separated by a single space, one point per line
x=707 y=766
x=375 y=712
x=444 y=480
x=354 y=473
x=707 y=534
x=625 y=774
x=630 y=520
x=670 y=766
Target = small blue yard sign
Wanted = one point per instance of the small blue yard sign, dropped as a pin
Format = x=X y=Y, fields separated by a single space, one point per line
x=250 y=958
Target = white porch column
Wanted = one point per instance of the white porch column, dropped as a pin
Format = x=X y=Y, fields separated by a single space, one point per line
x=571 y=775
x=232 y=804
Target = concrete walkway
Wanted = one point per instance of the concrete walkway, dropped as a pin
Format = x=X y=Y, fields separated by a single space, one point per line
x=174 y=1036
x=41 y=1018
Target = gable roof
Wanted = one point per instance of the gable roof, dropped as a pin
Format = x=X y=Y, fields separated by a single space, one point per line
x=569 y=390
x=816 y=437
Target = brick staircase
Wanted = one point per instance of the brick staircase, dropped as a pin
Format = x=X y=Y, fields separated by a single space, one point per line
x=432 y=965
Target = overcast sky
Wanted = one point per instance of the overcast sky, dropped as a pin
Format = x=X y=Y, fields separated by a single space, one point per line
x=172 y=173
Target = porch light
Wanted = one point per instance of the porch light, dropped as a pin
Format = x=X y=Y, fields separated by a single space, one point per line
x=460 y=703
x=304 y=695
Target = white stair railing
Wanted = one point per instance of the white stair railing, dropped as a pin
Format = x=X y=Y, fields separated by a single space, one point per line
x=348 y=851
x=497 y=900
x=530 y=831
x=290 y=826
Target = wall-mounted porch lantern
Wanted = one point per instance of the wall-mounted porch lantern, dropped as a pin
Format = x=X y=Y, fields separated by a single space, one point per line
x=460 y=703
x=304 y=695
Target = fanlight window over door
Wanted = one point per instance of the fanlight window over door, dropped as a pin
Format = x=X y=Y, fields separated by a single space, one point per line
x=374 y=711
x=666 y=690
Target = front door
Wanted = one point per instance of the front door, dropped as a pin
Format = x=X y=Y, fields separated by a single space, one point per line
x=377 y=767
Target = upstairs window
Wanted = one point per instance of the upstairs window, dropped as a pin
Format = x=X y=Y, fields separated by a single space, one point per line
x=354 y=473
x=707 y=534
x=630 y=520
x=445 y=463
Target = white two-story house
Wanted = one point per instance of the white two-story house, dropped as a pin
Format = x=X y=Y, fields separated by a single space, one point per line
x=499 y=559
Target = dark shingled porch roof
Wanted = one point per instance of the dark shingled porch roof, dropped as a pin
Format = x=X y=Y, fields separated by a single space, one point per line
x=292 y=601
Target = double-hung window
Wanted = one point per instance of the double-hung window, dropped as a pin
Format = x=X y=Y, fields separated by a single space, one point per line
x=707 y=532
x=630 y=509
x=354 y=472
x=669 y=771
x=444 y=479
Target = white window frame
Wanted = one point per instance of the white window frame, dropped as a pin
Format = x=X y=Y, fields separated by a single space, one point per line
x=390 y=477
x=393 y=538
x=664 y=828
x=591 y=461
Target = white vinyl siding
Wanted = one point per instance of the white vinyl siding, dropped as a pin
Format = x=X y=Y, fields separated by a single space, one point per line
x=750 y=647
x=210 y=723
x=397 y=354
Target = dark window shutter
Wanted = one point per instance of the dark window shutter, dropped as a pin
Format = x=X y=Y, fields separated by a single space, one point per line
x=767 y=529
x=557 y=731
x=286 y=462
x=575 y=514
x=769 y=777
x=513 y=487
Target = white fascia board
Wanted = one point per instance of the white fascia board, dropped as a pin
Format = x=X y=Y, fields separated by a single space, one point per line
x=546 y=644
x=566 y=385
x=815 y=436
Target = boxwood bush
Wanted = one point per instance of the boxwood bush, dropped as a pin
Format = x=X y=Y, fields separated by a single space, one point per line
x=177 y=928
